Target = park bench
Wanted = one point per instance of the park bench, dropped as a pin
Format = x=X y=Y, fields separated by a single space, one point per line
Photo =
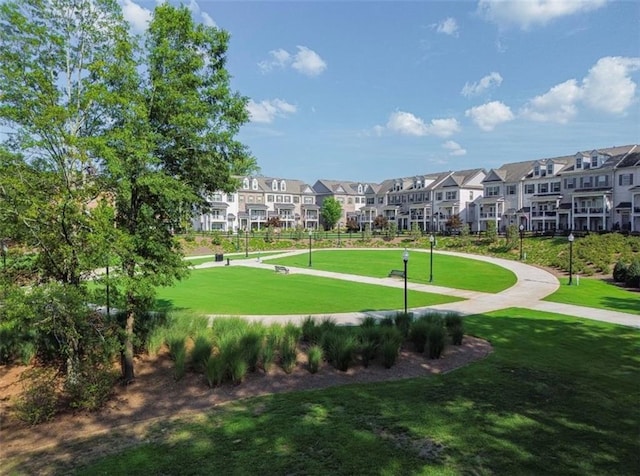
x=396 y=273
x=282 y=269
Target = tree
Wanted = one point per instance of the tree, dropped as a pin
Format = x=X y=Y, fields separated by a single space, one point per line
x=380 y=222
x=492 y=231
x=330 y=212
x=352 y=225
x=119 y=142
x=454 y=223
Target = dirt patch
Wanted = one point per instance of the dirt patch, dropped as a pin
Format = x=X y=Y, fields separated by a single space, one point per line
x=155 y=397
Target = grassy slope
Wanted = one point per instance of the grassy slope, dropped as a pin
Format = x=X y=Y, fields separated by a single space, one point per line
x=558 y=396
x=238 y=290
x=448 y=271
x=598 y=294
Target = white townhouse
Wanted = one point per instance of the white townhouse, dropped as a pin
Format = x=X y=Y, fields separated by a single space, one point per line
x=453 y=196
x=351 y=195
x=220 y=213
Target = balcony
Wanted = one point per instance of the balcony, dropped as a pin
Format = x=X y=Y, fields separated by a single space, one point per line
x=543 y=214
x=590 y=210
x=490 y=215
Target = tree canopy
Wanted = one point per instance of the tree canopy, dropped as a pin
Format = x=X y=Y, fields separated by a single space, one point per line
x=330 y=212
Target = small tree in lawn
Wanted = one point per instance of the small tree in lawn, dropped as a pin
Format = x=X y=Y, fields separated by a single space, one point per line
x=454 y=223
x=352 y=225
x=380 y=222
x=492 y=231
x=465 y=238
x=330 y=212
x=513 y=236
x=416 y=233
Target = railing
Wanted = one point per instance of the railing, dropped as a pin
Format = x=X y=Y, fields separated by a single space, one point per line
x=543 y=214
x=490 y=215
x=590 y=210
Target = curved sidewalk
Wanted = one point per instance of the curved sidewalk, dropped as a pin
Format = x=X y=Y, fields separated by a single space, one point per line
x=533 y=284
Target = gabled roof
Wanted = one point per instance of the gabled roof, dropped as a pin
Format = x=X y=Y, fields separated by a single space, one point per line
x=339 y=187
x=461 y=178
x=615 y=156
x=509 y=173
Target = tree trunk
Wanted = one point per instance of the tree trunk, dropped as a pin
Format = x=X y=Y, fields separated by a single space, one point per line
x=126 y=358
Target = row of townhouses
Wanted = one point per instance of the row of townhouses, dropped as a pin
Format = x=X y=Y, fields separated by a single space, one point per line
x=594 y=190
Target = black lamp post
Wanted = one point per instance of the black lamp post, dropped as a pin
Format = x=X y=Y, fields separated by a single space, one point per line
x=310 y=235
x=432 y=240
x=521 y=231
x=405 y=259
x=238 y=239
x=246 y=243
x=570 y=238
x=339 y=243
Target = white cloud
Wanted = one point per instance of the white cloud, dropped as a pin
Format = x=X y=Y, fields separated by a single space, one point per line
x=266 y=111
x=308 y=62
x=489 y=115
x=608 y=87
x=526 y=14
x=278 y=59
x=448 y=26
x=137 y=16
x=305 y=61
x=557 y=105
x=491 y=80
x=454 y=148
x=406 y=123
x=197 y=12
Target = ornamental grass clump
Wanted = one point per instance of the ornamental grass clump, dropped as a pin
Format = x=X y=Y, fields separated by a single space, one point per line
x=370 y=338
x=214 y=370
x=455 y=327
x=436 y=339
x=311 y=331
x=252 y=343
x=315 y=356
x=403 y=322
x=289 y=347
x=340 y=346
x=418 y=334
x=390 y=344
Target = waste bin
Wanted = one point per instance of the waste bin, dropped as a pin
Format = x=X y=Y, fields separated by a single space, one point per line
x=219 y=257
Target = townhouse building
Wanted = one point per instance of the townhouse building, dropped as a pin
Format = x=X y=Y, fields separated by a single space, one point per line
x=596 y=190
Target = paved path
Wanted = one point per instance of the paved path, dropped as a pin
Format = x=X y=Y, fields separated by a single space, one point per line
x=533 y=284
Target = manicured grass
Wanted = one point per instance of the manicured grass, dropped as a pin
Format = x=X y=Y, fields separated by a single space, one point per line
x=194 y=260
x=559 y=396
x=448 y=271
x=238 y=290
x=591 y=292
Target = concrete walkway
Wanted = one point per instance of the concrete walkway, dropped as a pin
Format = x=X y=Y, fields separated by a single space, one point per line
x=533 y=284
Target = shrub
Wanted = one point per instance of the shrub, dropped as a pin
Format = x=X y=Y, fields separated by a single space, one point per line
x=268 y=352
x=620 y=272
x=315 y=355
x=403 y=323
x=288 y=352
x=92 y=387
x=390 y=343
x=457 y=334
x=418 y=334
x=237 y=367
x=214 y=370
x=340 y=346
x=180 y=361
x=435 y=340
x=38 y=401
x=200 y=353
x=311 y=332
x=633 y=274
x=251 y=343
x=368 y=321
x=369 y=343
x=452 y=319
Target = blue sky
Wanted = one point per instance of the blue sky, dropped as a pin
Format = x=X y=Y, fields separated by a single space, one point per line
x=366 y=91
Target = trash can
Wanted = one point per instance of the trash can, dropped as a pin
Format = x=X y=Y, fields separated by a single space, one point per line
x=219 y=257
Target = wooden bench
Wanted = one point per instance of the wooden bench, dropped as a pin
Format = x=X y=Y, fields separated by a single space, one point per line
x=396 y=273
x=282 y=269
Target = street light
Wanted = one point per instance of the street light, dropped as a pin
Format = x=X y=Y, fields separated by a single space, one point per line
x=339 y=243
x=570 y=238
x=405 y=259
x=432 y=240
x=521 y=231
x=246 y=243
x=310 y=235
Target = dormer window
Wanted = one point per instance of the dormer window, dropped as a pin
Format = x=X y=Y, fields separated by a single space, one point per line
x=254 y=184
x=594 y=161
x=536 y=170
x=360 y=189
x=245 y=183
x=283 y=186
x=550 y=168
x=578 y=162
x=274 y=185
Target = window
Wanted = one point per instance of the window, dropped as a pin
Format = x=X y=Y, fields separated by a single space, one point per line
x=511 y=189
x=283 y=186
x=360 y=188
x=350 y=201
x=287 y=199
x=269 y=198
x=308 y=200
x=278 y=198
x=493 y=191
x=296 y=199
x=603 y=180
x=274 y=186
x=241 y=198
x=381 y=200
x=245 y=183
x=230 y=198
x=340 y=199
x=536 y=170
x=550 y=168
x=254 y=184
x=250 y=198
x=555 y=187
x=216 y=197
x=451 y=195
x=570 y=182
x=543 y=188
x=594 y=161
x=586 y=182
x=259 y=199
x=578 y=162
x=470 y=194
x=625 y=179
x=438 y=195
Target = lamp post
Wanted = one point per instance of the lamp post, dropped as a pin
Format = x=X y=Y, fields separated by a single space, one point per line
x=339 y=243
x=405 y=259
x=310 y=235
x=432 y=240
x=108 y=300
x=570 y=238
x=521 y=231
x=246 y=243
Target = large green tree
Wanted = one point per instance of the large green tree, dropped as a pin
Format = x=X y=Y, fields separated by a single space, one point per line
x=331 y=211
x=129 y=140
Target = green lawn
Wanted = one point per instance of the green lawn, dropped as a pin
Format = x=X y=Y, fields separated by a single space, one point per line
x=448 y=271
x=596 y=293
x=238 y=290
x=196 y=260
x=559 y=396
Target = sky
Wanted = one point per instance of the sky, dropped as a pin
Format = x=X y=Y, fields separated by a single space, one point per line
x=367 y=91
